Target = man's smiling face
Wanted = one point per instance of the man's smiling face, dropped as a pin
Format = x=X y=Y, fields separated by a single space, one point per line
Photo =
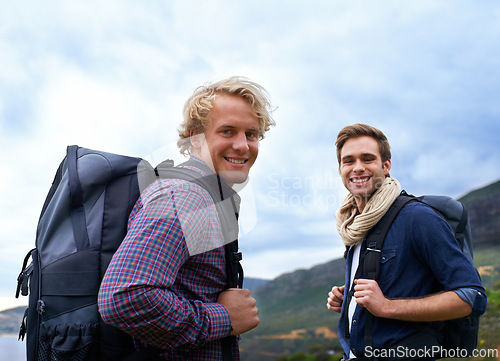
x=231 y=139
x=361 y=168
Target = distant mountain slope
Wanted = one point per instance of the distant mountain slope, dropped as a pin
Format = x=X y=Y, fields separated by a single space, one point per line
x=293 y=314
x=10 y=321
x=297 y=299
x=253 y=283
x=484 y=211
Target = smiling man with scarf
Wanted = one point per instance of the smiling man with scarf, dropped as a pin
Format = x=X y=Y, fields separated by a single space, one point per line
x=424 y=277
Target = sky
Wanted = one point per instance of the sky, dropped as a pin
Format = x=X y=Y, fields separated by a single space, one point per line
x=114 y=76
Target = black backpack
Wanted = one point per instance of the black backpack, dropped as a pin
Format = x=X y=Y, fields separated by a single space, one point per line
x=461 y=333
x=82 y=223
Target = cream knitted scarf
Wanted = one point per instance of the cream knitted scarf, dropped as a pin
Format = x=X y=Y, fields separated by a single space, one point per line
x=353 y=226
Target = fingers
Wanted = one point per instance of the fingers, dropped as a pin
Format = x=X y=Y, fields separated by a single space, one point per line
x=335 y=298
x=362 y=286
x=337 y=293
x=369 y=295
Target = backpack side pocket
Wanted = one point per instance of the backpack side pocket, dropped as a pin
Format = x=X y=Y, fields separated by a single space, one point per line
x=68 y=342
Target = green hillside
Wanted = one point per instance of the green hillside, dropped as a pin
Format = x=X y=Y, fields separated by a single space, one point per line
x=293 y=314
x=298 y=298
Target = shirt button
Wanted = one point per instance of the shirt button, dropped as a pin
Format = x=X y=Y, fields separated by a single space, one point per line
x=353 y=322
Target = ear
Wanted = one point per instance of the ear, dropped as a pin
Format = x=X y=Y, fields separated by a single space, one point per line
x=195 y=139
x=387 y=167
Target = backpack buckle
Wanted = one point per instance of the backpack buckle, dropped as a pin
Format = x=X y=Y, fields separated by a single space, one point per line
x=22 y=281
x=23 y=329
x=40 y=307
x=237 y=256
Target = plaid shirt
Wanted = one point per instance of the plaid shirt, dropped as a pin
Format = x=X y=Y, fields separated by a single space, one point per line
x=163 y=282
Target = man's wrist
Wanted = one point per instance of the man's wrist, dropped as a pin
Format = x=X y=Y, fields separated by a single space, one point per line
x=219 y=321
x=391 y=309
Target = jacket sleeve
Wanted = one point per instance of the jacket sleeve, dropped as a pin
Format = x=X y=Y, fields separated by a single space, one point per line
x=434 y=241
x=136 y=294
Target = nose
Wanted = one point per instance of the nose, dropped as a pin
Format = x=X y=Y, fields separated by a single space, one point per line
x=358 y=166
x=240 y=142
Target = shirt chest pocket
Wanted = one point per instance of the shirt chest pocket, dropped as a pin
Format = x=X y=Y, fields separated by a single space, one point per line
x=388 y=266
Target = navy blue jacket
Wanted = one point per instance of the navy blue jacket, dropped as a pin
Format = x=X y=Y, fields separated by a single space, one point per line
x=420 y=256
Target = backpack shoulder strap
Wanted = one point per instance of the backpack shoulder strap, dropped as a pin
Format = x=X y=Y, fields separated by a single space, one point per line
x=226 y=207
x=219 y=192
x=77 y=210
x=374 y=242
x=462 y=224
x=375 y=237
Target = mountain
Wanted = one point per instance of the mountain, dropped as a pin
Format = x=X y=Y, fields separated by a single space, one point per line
x=298 y=297
x=293 y=314
x=253 y=283
x=484 y=209
x=10 y=320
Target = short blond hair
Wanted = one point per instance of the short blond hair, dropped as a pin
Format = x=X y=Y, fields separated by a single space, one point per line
x=197 y=108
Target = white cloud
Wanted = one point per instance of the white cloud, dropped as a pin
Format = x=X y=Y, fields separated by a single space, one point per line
x=78 y=109
x=8 y=302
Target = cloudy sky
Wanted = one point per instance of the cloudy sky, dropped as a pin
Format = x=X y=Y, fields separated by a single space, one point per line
x=114 y=76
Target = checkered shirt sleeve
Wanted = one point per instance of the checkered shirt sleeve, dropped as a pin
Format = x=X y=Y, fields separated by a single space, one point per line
x=157 y=286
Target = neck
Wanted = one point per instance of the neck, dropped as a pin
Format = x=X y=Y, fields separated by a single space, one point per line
x=361 y=202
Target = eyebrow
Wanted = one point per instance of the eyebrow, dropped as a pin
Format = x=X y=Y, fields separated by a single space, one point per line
x=227 y=126
x=348 y=156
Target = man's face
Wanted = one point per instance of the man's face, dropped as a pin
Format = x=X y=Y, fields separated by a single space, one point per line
x=231 y=139
x=361 y=168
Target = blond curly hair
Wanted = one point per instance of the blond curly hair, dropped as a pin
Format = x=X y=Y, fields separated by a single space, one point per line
x=197 y=108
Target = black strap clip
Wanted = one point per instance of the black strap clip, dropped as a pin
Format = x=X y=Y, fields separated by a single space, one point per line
x=236 y=257
x=22 y=329
x=22 y=279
